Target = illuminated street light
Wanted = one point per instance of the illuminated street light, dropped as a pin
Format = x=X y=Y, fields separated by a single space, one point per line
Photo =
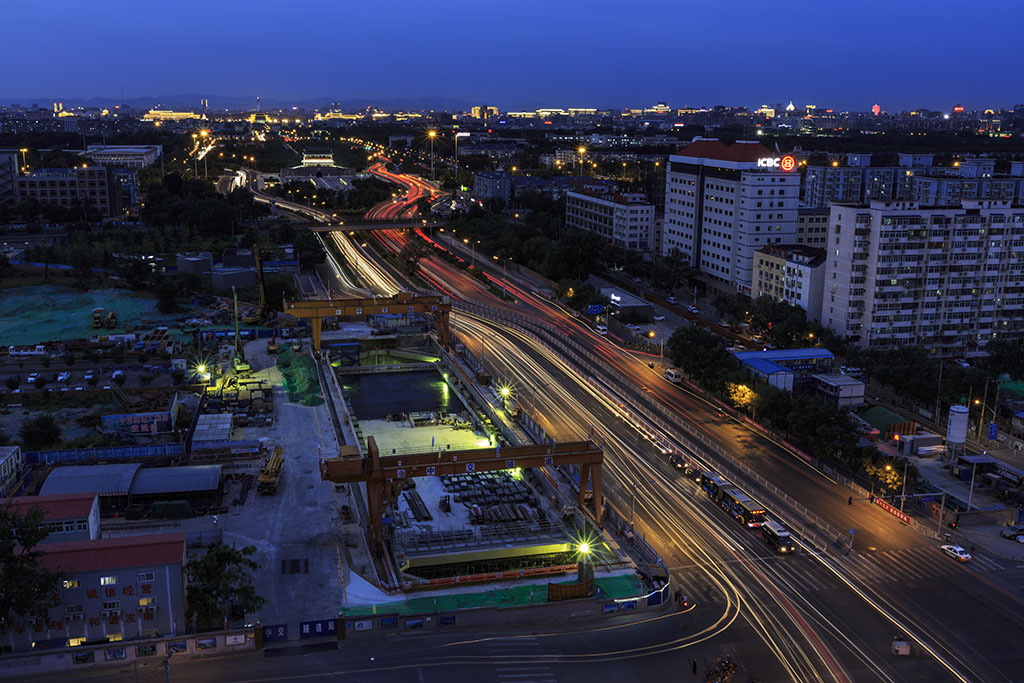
x=431 y=134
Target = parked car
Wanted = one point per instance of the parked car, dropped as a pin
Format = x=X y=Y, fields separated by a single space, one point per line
x=64 y=376
x=725 y=323
x=671 y=300
x=962 y=362
x=957 y=553
x=89 y=375
x=658 y=318
x=693 y=309
x=32 y=378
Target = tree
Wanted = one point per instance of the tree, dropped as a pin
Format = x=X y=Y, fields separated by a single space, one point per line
x=12 y=382
x=219 y=582
x=146 y=378
x=26 y=588
x=702 y=355
x=177 y=376
x=93 y=380
x=119 y=380
x=741 y=395
x=39 y=432
x=166 y=296
x=69 y=359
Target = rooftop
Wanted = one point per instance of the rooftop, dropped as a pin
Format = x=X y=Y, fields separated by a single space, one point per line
x=785 y=354
x=111 y=479
x=115 y=553
x=838 y=380
x=741 y=151
x=176 y=479
x=64 y=506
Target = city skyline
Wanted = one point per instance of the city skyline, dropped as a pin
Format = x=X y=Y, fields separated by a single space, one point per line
x=693 y=55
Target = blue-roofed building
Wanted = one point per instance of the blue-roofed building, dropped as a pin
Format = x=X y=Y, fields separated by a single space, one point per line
x=786 y=368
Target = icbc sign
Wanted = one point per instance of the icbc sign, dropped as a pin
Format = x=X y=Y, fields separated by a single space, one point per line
x=786 y=163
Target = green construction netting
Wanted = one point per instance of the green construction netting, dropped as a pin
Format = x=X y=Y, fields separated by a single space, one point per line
x=1013 y=387
x=43 y=313
x=299 y=377
x=611 y=587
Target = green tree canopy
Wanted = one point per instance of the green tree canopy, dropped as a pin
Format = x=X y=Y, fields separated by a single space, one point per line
x=26 y=588
x=219 y=581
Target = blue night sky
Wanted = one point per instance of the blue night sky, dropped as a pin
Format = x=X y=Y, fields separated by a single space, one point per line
x=523 y=53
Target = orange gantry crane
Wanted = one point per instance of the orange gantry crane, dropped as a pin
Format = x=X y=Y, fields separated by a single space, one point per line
x=386 y=476
x=403 y=302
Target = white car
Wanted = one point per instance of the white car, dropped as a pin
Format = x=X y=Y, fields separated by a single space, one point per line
x=32 y=378
x=693 y=309
x=658 y=318
x=956 y=552
x=64 y=376
x=671 y=300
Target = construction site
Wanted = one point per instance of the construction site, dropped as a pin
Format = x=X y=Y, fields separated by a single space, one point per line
x=356 y=454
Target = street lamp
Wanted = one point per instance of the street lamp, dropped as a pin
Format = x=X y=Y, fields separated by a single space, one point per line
x=24 y=163
x=195 y=152
x=581 y=150
x=903 y=495
x=431 y=134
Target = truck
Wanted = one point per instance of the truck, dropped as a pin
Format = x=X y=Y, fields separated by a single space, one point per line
x=270 y=472
x=111 y=320
x=97 y=318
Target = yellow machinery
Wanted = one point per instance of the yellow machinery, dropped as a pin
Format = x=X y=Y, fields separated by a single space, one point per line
x=97 y=318
x=270 y=472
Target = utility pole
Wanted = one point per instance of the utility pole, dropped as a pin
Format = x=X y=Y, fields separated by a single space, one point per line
x=970 y=495
x=942 y=513
x=981 y=416
x=938 y=394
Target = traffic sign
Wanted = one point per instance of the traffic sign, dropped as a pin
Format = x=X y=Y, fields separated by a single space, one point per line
x=851 y=532
x=993 y=431
x=595 y=309
x=431 y=470
x=275 y=632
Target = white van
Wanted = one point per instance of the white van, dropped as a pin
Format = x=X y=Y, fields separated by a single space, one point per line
x=673 y=375
x=601 y=329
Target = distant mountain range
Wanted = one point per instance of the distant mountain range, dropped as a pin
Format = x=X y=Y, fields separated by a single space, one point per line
x=218 y=102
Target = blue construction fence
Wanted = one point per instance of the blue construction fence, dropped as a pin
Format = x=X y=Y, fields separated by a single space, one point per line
x=110 y=453
x=54 y=266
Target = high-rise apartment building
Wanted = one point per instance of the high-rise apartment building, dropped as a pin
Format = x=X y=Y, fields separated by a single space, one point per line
x=793 y=273
x=8 y=178
x=948 y=278
x=724 y=202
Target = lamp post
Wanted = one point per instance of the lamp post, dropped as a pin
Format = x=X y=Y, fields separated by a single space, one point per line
x=582 y=151
x=195 y=157
x=204 y=133
x=903 y=494
x=24 y=163
x=432 y=134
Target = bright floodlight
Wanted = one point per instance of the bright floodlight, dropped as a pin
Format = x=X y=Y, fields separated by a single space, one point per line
x=584 y=548
x=200 y=369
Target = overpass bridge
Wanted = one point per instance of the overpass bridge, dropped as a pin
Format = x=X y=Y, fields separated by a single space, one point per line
x=362 y=224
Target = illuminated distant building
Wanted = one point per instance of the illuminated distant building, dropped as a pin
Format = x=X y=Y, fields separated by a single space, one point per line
x=876 y=110
x=484 y=112
x=168 y=115
x=123 y=156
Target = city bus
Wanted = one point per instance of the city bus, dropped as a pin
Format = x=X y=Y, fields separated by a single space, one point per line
x=777 y=537
x=713 y=484
x=743 y=507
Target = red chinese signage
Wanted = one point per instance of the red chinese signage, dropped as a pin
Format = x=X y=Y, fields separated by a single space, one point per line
x=903 y=517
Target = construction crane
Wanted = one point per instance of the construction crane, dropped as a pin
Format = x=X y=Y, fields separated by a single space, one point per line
x=261 y=307
x=270 y=472
x=241 y=366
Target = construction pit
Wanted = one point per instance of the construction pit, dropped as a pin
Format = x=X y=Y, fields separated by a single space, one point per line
x=475 y=524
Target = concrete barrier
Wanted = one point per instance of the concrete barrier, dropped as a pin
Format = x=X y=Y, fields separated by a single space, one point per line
x=118 y=654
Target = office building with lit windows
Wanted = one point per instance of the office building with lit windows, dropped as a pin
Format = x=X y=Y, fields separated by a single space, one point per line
x=625 y=220
x=724 y=202
x=950 y=279
x=110 y=589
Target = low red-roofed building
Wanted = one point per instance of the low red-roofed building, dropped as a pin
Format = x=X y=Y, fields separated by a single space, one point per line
x=111 y=589
x=69 y=517
x=724 y=202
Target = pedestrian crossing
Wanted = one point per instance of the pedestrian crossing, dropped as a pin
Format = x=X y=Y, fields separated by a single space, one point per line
x=890 y=566
x=517 y=669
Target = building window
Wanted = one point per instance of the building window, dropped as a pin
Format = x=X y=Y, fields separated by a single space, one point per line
x=108 y=580
x=111 y=604
x=147 y=602
x=71 y=583
x=75 y=642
